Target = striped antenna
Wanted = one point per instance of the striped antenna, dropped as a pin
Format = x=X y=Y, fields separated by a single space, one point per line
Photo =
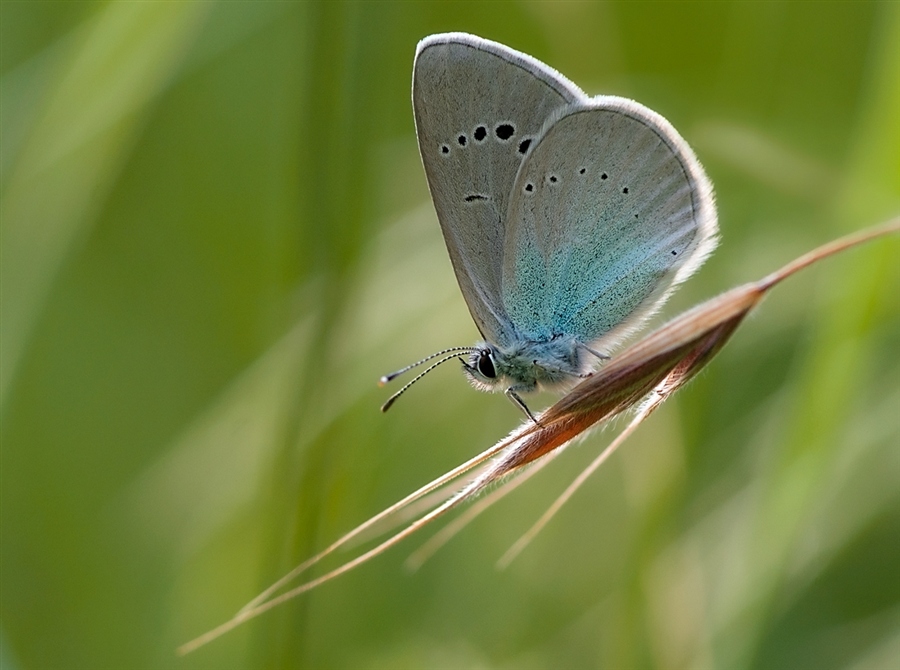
x=384 y=380
x=390 y=401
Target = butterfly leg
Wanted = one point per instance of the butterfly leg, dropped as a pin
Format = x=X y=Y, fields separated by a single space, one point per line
x=512 y=395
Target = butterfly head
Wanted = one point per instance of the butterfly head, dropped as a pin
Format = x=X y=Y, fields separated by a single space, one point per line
x=524 y=367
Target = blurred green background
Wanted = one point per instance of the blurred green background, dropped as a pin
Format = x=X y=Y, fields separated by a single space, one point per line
x=216 y=235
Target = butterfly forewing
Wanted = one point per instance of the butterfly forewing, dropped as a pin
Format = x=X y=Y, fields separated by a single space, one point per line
x=609 y=209
x=479 y=107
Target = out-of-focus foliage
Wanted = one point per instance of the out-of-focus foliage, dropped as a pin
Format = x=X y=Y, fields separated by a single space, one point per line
x=216 y=235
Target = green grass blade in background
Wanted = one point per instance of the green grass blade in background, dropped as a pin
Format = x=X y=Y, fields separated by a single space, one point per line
x=78 y=138
x=216 y=236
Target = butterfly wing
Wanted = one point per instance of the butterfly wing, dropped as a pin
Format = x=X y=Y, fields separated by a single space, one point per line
x=609 y=211
x=478 y=107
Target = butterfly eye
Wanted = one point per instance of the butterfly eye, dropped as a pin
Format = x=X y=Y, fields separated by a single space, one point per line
x=486 y=365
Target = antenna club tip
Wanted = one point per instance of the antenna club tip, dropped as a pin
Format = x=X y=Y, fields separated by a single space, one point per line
x=384 y=380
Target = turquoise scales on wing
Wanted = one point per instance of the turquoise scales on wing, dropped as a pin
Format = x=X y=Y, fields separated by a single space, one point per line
x=600 y=239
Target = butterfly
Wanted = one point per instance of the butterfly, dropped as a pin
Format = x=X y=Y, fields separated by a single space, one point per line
x=568 y=219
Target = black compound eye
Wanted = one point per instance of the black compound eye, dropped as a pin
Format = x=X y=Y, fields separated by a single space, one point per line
x=486 y=365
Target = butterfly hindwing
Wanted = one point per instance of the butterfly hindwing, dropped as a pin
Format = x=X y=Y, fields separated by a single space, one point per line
x=608 y=212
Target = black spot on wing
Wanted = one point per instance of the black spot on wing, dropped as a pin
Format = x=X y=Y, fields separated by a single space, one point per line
x=505 y=130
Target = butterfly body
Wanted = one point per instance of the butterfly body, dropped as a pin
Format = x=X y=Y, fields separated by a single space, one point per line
x=527 y=365
x=568 y=219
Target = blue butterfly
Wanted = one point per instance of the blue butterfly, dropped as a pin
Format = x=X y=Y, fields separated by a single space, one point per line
x=568 y=219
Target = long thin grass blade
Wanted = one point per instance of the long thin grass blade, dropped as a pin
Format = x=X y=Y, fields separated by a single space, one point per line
x=452 y=529
x=248 y=613
x=366 y=525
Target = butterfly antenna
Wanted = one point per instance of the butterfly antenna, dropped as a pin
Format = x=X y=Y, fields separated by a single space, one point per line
x=390 y=401
x=384 y=380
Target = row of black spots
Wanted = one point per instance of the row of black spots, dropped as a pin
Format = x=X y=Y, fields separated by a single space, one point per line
x=553 y=179
x=503 y=131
